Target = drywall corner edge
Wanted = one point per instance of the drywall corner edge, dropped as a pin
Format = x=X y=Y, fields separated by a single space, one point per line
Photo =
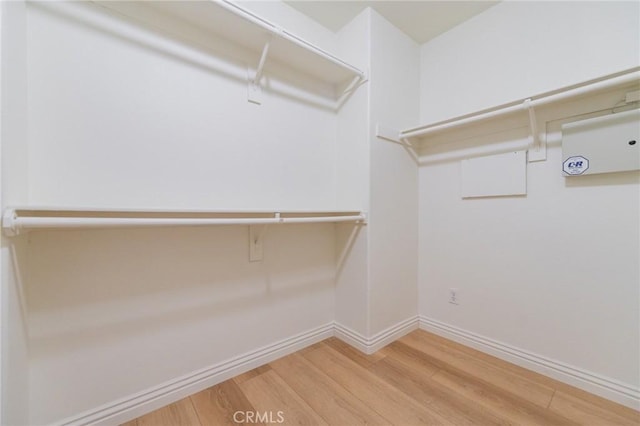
x=370 y=345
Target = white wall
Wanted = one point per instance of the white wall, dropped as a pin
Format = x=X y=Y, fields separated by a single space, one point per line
x=13 y=190
x=393 y=222
x=15 y=345
x=117 y=140
x=377 y=285
x=518 y=49
x=352 y=171
x=123 y=115
x=554 y=273
x=116 y=312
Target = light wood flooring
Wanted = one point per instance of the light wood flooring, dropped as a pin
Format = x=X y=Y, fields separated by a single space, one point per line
x=421 y=379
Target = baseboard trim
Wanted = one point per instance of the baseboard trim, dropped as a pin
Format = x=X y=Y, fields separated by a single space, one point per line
x=377 y=341
x=125 y=409
x=141 y=403
x=605 y=387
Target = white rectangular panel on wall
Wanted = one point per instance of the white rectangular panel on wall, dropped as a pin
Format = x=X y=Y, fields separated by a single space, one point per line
x=604 y=144
x=495 y=175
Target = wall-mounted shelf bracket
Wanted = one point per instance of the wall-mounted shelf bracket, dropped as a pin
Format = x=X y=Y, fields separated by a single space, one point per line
x=357 y=81
x=537 y=146
x=353 y=85
x=255 y=90
x=391 y=135
x=256 y=238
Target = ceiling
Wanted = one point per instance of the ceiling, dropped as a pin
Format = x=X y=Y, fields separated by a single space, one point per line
x=420 y=20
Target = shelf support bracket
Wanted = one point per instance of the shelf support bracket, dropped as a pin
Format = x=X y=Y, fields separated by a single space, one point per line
x=353 y=85
x=256 y=232
x=537 y=147
x=357 y=81
x=263 y=59
x=393 y=135
x=255 y=91
x=256 y=238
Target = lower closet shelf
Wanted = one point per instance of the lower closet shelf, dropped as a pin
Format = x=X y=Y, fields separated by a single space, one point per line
x=16 y=220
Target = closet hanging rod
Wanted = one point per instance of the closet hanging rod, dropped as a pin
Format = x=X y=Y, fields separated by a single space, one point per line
x=13 y=223
x=611 y=81
x=280 y=32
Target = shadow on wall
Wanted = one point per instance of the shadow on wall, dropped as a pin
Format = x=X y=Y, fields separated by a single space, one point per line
x=16 y=247
x=94 y=286
x=444 y=149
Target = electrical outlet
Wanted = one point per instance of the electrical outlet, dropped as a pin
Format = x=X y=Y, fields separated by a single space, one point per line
x=454 y=297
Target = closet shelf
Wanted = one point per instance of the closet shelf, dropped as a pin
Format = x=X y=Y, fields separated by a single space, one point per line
x=232 y=22
x=414 y=135
x=16 y=220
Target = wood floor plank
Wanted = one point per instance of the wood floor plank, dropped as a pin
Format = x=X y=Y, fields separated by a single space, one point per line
x=529 y=374
x=586 y=413
x=411 y=357
x=601 y=403
x=386 y=400
x=439 y=340
x=133 y=422
x=271 y=395
x=448 y=357
x=311 y=347
x=335 y=404
x=352 y=353
x=251 y=374
x=503 y=403
x=417 y=384
x=218 y=404
x=557 y=385
x=180 y=413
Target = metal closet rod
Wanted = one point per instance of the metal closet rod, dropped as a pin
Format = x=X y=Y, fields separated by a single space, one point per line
x=13 y=223
x=610 y=81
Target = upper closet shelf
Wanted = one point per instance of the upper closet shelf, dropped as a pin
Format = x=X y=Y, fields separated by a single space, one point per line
x=230 y=21
x=17 y=220
x=415 y=135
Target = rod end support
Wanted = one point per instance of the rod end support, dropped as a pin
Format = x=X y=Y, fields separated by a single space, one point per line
x=9 y=225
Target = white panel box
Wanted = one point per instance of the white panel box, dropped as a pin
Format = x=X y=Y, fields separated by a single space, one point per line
x=606 y=144
x=495 y=175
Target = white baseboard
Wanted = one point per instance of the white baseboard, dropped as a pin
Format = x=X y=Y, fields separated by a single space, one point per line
x=125 y=409
x=379 y=340
x=133 y=406
x=141 y=403
x=608 y=388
